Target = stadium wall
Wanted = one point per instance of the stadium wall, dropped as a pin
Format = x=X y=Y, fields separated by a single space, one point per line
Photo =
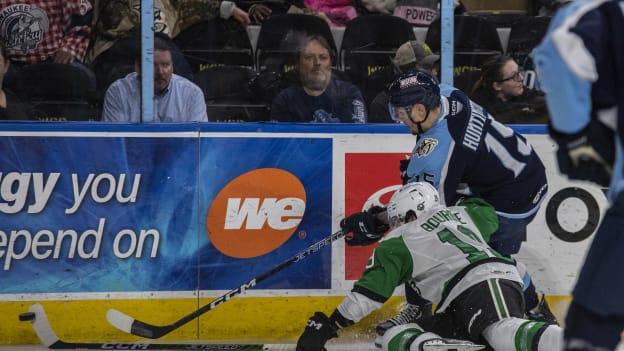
x=159 y=220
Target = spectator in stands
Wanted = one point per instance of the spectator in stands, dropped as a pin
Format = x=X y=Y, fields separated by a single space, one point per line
x=118 y=23
x=319 y=97
x=258 y=10
x=337 y=12
x=11 y=108
x=36 y=31
x=549 y=7
x=501 y=91
x=176 y=99
x=411 y=55
x=118 y=19
x=119 y=60
x=418 y=12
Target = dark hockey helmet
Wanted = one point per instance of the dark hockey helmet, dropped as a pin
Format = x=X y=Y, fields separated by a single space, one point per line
x=415 y=87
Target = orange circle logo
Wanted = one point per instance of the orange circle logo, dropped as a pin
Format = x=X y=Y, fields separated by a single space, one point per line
x=256 y=213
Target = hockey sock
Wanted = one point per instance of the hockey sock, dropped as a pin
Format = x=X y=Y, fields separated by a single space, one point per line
x=520 y=334
x=530 y=296
x=400 y=338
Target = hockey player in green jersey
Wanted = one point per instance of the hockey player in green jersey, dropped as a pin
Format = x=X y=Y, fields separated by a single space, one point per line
x=443 y=253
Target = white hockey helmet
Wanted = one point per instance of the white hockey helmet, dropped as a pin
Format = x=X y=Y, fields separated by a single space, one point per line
x=413 y=198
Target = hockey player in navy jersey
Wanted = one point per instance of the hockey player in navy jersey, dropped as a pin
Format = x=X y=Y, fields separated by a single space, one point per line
x=462 y=150
x=580 y=64
x=443 y=252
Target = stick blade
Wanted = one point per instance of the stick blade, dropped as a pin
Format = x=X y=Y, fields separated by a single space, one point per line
x=42 y=326
x=134 y=326
x=120 y=320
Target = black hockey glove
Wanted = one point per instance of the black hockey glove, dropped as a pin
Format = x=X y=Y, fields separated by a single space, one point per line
x=318 y=330
x=403 y=169
x=588 y=154
x=365 y=226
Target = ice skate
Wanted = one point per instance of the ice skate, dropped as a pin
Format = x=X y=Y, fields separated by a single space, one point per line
x=542 y=313
x=408 y=314
x=410 y=337
x=441 y=344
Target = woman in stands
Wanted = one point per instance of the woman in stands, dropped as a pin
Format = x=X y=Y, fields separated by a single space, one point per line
x=11 y=108
x=501 y=91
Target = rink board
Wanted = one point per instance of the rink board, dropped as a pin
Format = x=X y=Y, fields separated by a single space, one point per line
x=244 y=318
x=159 y=220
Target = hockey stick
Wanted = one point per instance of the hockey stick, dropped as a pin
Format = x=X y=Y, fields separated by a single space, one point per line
x=134 y=326
x=37 y=316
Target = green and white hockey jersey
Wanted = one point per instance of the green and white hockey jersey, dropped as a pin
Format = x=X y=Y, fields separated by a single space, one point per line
x=442 y=253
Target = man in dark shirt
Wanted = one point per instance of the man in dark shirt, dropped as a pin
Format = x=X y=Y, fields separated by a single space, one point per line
x=319 y=97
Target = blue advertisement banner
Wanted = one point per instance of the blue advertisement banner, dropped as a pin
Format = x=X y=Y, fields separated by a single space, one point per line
x=259 y=183
x=107 y=214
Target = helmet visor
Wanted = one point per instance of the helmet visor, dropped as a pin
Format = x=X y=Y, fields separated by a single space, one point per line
x=400 y=113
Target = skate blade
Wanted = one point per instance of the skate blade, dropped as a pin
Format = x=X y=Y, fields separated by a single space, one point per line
x=453 y=347
x=378 y=341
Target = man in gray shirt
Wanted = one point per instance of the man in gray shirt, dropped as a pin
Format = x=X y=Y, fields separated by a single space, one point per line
x=176 y=99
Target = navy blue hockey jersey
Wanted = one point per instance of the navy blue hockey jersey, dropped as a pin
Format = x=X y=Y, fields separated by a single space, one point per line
x=468 y=152
x=580 y=64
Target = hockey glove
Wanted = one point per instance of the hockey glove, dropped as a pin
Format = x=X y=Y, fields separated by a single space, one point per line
x=365 y=226
x=318 y=330
x=588 y=154
x=403 y=169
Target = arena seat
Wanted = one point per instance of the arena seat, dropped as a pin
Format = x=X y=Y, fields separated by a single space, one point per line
x=57 y=92
x=475 y=40
x=228 y=95
x=466 y=80
x=215 y=42
x=524 y=36
x=370 y=43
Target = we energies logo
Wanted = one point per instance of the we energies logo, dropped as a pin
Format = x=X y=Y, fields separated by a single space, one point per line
x=22 y=26
x=256 y=213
